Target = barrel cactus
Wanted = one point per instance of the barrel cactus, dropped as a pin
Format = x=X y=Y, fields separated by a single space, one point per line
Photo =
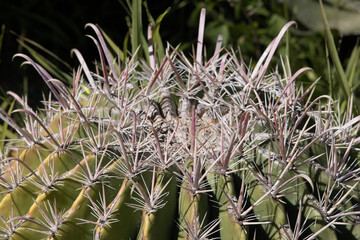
x=180 y=148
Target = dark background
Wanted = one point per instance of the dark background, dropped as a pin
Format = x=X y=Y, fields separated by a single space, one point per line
x=57 y=26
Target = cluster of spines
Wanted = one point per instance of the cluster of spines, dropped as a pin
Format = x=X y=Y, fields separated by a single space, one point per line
x=207 y=149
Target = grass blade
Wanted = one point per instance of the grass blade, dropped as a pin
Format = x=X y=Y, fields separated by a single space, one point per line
x=4 y=132
x=334 y=55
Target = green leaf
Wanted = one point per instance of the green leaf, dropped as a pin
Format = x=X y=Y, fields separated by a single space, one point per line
x=22 y=40
x=334 y=55
x=4 y=132
x=48 y=65
x=342 y=15
x=113 y=45
x=136 y=25
x=159 y=46
x=2 y=35
x=352 y=65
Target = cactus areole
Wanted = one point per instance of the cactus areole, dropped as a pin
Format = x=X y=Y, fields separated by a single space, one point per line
x=180 y=148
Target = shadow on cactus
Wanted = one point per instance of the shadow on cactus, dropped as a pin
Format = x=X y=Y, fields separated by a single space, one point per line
x=190 y=148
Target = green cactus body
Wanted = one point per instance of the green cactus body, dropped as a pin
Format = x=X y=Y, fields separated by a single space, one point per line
x=127 y=220
x=156 y=225
x=230 y=226
x=270 y=208
x=31 y=157
x=316 y=218
x=193 y=212
x=18 y=201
